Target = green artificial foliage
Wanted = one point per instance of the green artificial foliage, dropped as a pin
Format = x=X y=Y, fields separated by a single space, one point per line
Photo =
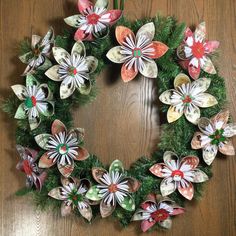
x=175 y=137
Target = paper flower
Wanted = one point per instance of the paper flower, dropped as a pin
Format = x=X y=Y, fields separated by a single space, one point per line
x=63 y=148
x=73 y=70
x=114 y=187
x=214 y=136
x=178 y=174
x=195 y=50
x=72 y=193
x=36 y=101
x=187 y=97
x=93 y=21
x=27 y=164
x=157 y=210
x=137 y=53
x=40 y=50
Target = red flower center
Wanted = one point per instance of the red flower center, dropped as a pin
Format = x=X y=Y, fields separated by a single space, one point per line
x=137 y=52
x=112 y=188
x=30 y=102
x=26 y=167
x=187 y=99
x=198 y=50
x=177 y=175
x=93 y=19
x=72 y=71
x=160 y=215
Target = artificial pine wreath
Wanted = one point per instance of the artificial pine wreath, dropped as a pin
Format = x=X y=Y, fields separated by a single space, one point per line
x=61 y=74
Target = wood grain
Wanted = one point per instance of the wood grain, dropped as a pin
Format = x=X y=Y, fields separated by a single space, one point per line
x=122 y=123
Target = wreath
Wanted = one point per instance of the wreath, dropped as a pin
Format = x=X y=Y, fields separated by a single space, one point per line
x=61 y=74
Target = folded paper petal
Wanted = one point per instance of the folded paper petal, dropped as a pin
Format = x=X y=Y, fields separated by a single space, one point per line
x=127 y=203
x=97 y=173
x=123 y=32
x=181 y=79
x=167 y=187
x=34 y=123
x=211 y=46
x=65 y=209
x=149 y=69
x=31 y=81
x=60 y=54
x=157 y=170
x=227 y=148
x=128 y=74
x=93 y=194
x=49 y=111
x=230 y=130
x=147 y=30
x=106 y=210
x=101 y=3
x=78 y=133
x=166 y=223
x=209 y=153
x=208 y=66
x=42 y=140
x=181 y=53
x=66 y=181
x=202 y=84
x=83 y=5
x=66 y=170
x=83 y=154
x=192 y=161
x=115 y=56
x=159 y=49
x=199 y=176
x=72 y=21
x=165 y=97
x=79 y=49
x=26 y=58
x=203 y=123
x=35 y=40
x=80 y=35
x=115 y=15
x=56 y=193
x=169 y=156
x=67 y=88
x=196 y=141
x=187 y=192
x=40 y=180
x=193 y=71
x=146 y=225
x=173 y=114
x=58 y=127
x=116 y=166
x=86 y=88
x=200 y=31
x=221 y=116
x=45 y=161
x=188 y=33
x=193 y=115
x=92 y=63
x=133 y=184
x=86 y=212
x=206 y=100
x=21 y=112
x=19 y=91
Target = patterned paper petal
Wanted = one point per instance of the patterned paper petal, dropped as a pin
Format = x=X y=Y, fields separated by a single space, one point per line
x=193 y=115
x=221 y=116
x=56 y=193
x=83 y=154
x=181 y=79
x=42 y=140
x=101 y=3
x=34 y=123
x=196 y=141
x=206 y=100
x=115 y=56
x=200 y=31
x=26 y=58
x=138 y=215
x=92 y=63
x=159 y=49
x=86 y=88
x=146 y=225
x=165 y=97
x=211 y=46
x=173 y=114
x=200 y=176
x=81 y=35
x=93 y=194
x=72 y=21
x=52 y=73
x=58 y=127
x=66 y=181
x=86 y=212
x=147 y=30
x=208 y=66
x=115 y=15
x=78 y=133
x=194 y=72
x=188 y=33
x=202 y=84
x=230 y=130
x=187 y=192
x=35 y=40
x=40 y=180
x=66 y=89
x=167 y=187
x=177 y=210
x=127 y=203
x=209 y=153
x=47 y=92
x=45 y=161
x=45 y=65
x=79 y=48
x=181 y=53
x=149 y=69
x=65 y=209
x=227 y=148
x=60 y=54
x=106 y=210
x=157 y=170
x=21 y=112
x=203 y=123
x=128 y=74
x=133 y=184
x=19 y=91
x=166 y=223
x=192 y=161
x=116 y=166
x=31 y=81
x=97 y=173
x=122 y=32
x=66 y=170
x=83 y=4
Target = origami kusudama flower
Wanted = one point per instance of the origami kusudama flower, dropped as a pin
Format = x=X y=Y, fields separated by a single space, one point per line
x=36 y=101
x=27 y=164
x=114 y=187
x=72 y=193
x=137 y=53
x=62 y=147
x=73 y=70
x=157 y=209
x=40 y=50
x=178 y=174
x=187 y=97
x=194 y=52
x=93 y=21
x=214 y=136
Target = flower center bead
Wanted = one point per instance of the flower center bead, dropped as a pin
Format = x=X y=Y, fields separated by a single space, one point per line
x=93 y=19
x=177 y=175
x=160 y=215
x=137 y=52
x=113 y=188
x=76 y=198
x=62 y=148
x=217 y=137
x=30 y=102
x=72 y=71
x=26 y=167
x=187 y=99
x=198 y=50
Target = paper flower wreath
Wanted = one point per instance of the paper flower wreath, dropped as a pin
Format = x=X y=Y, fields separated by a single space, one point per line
x=93 y=21
x=157 y=209
x=137 y=53
x=178 y=174
x=195 y=50
x=187 y=97
x=113 y=187
x=214 y=136
x=63 y=148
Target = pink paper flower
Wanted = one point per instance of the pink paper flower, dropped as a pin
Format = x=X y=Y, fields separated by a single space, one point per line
x=178 y=174
x=93 y=21
x=194 y=52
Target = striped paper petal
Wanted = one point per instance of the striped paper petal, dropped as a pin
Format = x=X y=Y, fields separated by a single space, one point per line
x=122 y=32
x=159 y=49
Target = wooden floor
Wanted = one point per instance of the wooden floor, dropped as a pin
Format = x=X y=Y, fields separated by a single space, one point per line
x=122 y=123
